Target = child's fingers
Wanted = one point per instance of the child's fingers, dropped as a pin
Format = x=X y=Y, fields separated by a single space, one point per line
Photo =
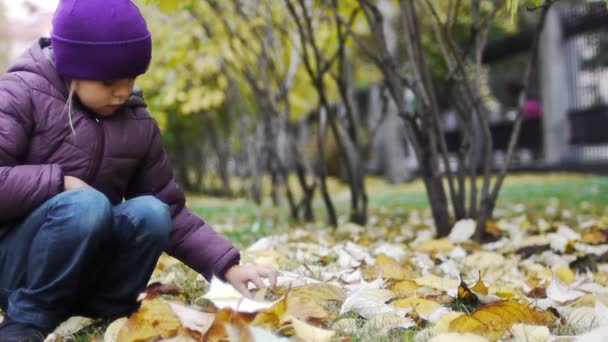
x=257 y=281
x=242 y=289
x=271 y=274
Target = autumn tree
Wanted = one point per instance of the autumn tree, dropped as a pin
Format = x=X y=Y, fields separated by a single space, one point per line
x=461 y=57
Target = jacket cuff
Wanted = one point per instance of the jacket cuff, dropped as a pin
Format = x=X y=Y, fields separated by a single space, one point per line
x=231 y=258
x=56 y=185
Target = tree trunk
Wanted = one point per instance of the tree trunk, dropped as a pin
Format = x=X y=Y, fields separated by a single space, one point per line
x=433 y=182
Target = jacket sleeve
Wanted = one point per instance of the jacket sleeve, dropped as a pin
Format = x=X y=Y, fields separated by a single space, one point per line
x=22 y=187
x=192 y=241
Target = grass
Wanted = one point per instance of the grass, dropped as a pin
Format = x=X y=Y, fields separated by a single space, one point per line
x=243 y=222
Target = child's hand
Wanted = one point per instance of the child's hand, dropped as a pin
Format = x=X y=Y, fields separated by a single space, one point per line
x=239 y=276
x=71 y=183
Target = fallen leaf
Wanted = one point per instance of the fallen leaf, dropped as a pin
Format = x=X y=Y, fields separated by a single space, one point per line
x=405 y=287
x=435 y=282
x=387 y=267
x=157 y=289
x=371 y=302
x=443 y=324
x=422 y=306
x=228 y=317
x=435 y=246
x=309 y=333
x=153 y=320
x=453 y=337
x=191 y=318
x=256 y=334
x=565 y=275
x=494 y=320
x=598 y=334
x=483 y=260
x=529 y=333
x=223 y=295
x=111 y=333
x=480 y=287
x=466 y=295
x=594 y=237
x=462 y=231
x=72 y=326
x=382 y=324
x=561 y=293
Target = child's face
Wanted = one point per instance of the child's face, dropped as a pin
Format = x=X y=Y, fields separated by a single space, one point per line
x=104 y=98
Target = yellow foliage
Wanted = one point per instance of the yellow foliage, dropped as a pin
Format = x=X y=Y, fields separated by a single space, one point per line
x=495 y=319
x=153 y=320
x=435 y=246
x=420 y=305
x=565 y=275
x=405 y=287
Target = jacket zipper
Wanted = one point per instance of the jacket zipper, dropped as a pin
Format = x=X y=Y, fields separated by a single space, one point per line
x=101 y=141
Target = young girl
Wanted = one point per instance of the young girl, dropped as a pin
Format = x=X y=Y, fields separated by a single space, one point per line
x=87 y=197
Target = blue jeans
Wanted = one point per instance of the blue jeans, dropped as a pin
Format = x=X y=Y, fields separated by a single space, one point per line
x=78 y=255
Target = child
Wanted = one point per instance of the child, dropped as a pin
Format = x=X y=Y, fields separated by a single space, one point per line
x=74 y=142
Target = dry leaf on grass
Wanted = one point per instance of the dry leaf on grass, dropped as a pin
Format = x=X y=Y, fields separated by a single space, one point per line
x=494 y=320
x=153 y=320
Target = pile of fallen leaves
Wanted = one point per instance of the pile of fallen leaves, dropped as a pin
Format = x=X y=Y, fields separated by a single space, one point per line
x=539 y=278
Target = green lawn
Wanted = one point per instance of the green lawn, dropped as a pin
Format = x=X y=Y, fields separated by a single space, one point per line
x=243 y=222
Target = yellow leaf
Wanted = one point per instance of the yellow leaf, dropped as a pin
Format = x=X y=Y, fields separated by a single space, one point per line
x=435 y=246
x=321 y=293
x=405 y=287
x=502 y=291
x=594 y=237
x=153 y=320
x=305 y=308
x=435 y=282
x=309 y=333
x=272 y=318
x=495 y=319
x=480 y=287
x=469 y=324
x=383 y=259
x=565 y=275
x=387 y=270
x=442 y=326
x=422 y=306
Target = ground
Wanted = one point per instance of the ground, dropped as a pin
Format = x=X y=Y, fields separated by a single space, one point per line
x=547 y=266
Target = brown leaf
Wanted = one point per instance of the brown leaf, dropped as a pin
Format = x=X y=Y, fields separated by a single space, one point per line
x=594 y=237
x=156 y=289
x=495 y=319
x=226 y=317
x=466 y=295
x=538 y=292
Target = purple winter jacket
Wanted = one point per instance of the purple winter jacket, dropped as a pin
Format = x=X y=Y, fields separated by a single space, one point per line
x=122 y=156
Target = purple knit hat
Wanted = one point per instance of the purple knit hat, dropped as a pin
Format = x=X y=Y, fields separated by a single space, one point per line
x=100 y=40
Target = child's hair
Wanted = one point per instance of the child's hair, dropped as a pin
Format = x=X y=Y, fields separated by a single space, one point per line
x=69 y=106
